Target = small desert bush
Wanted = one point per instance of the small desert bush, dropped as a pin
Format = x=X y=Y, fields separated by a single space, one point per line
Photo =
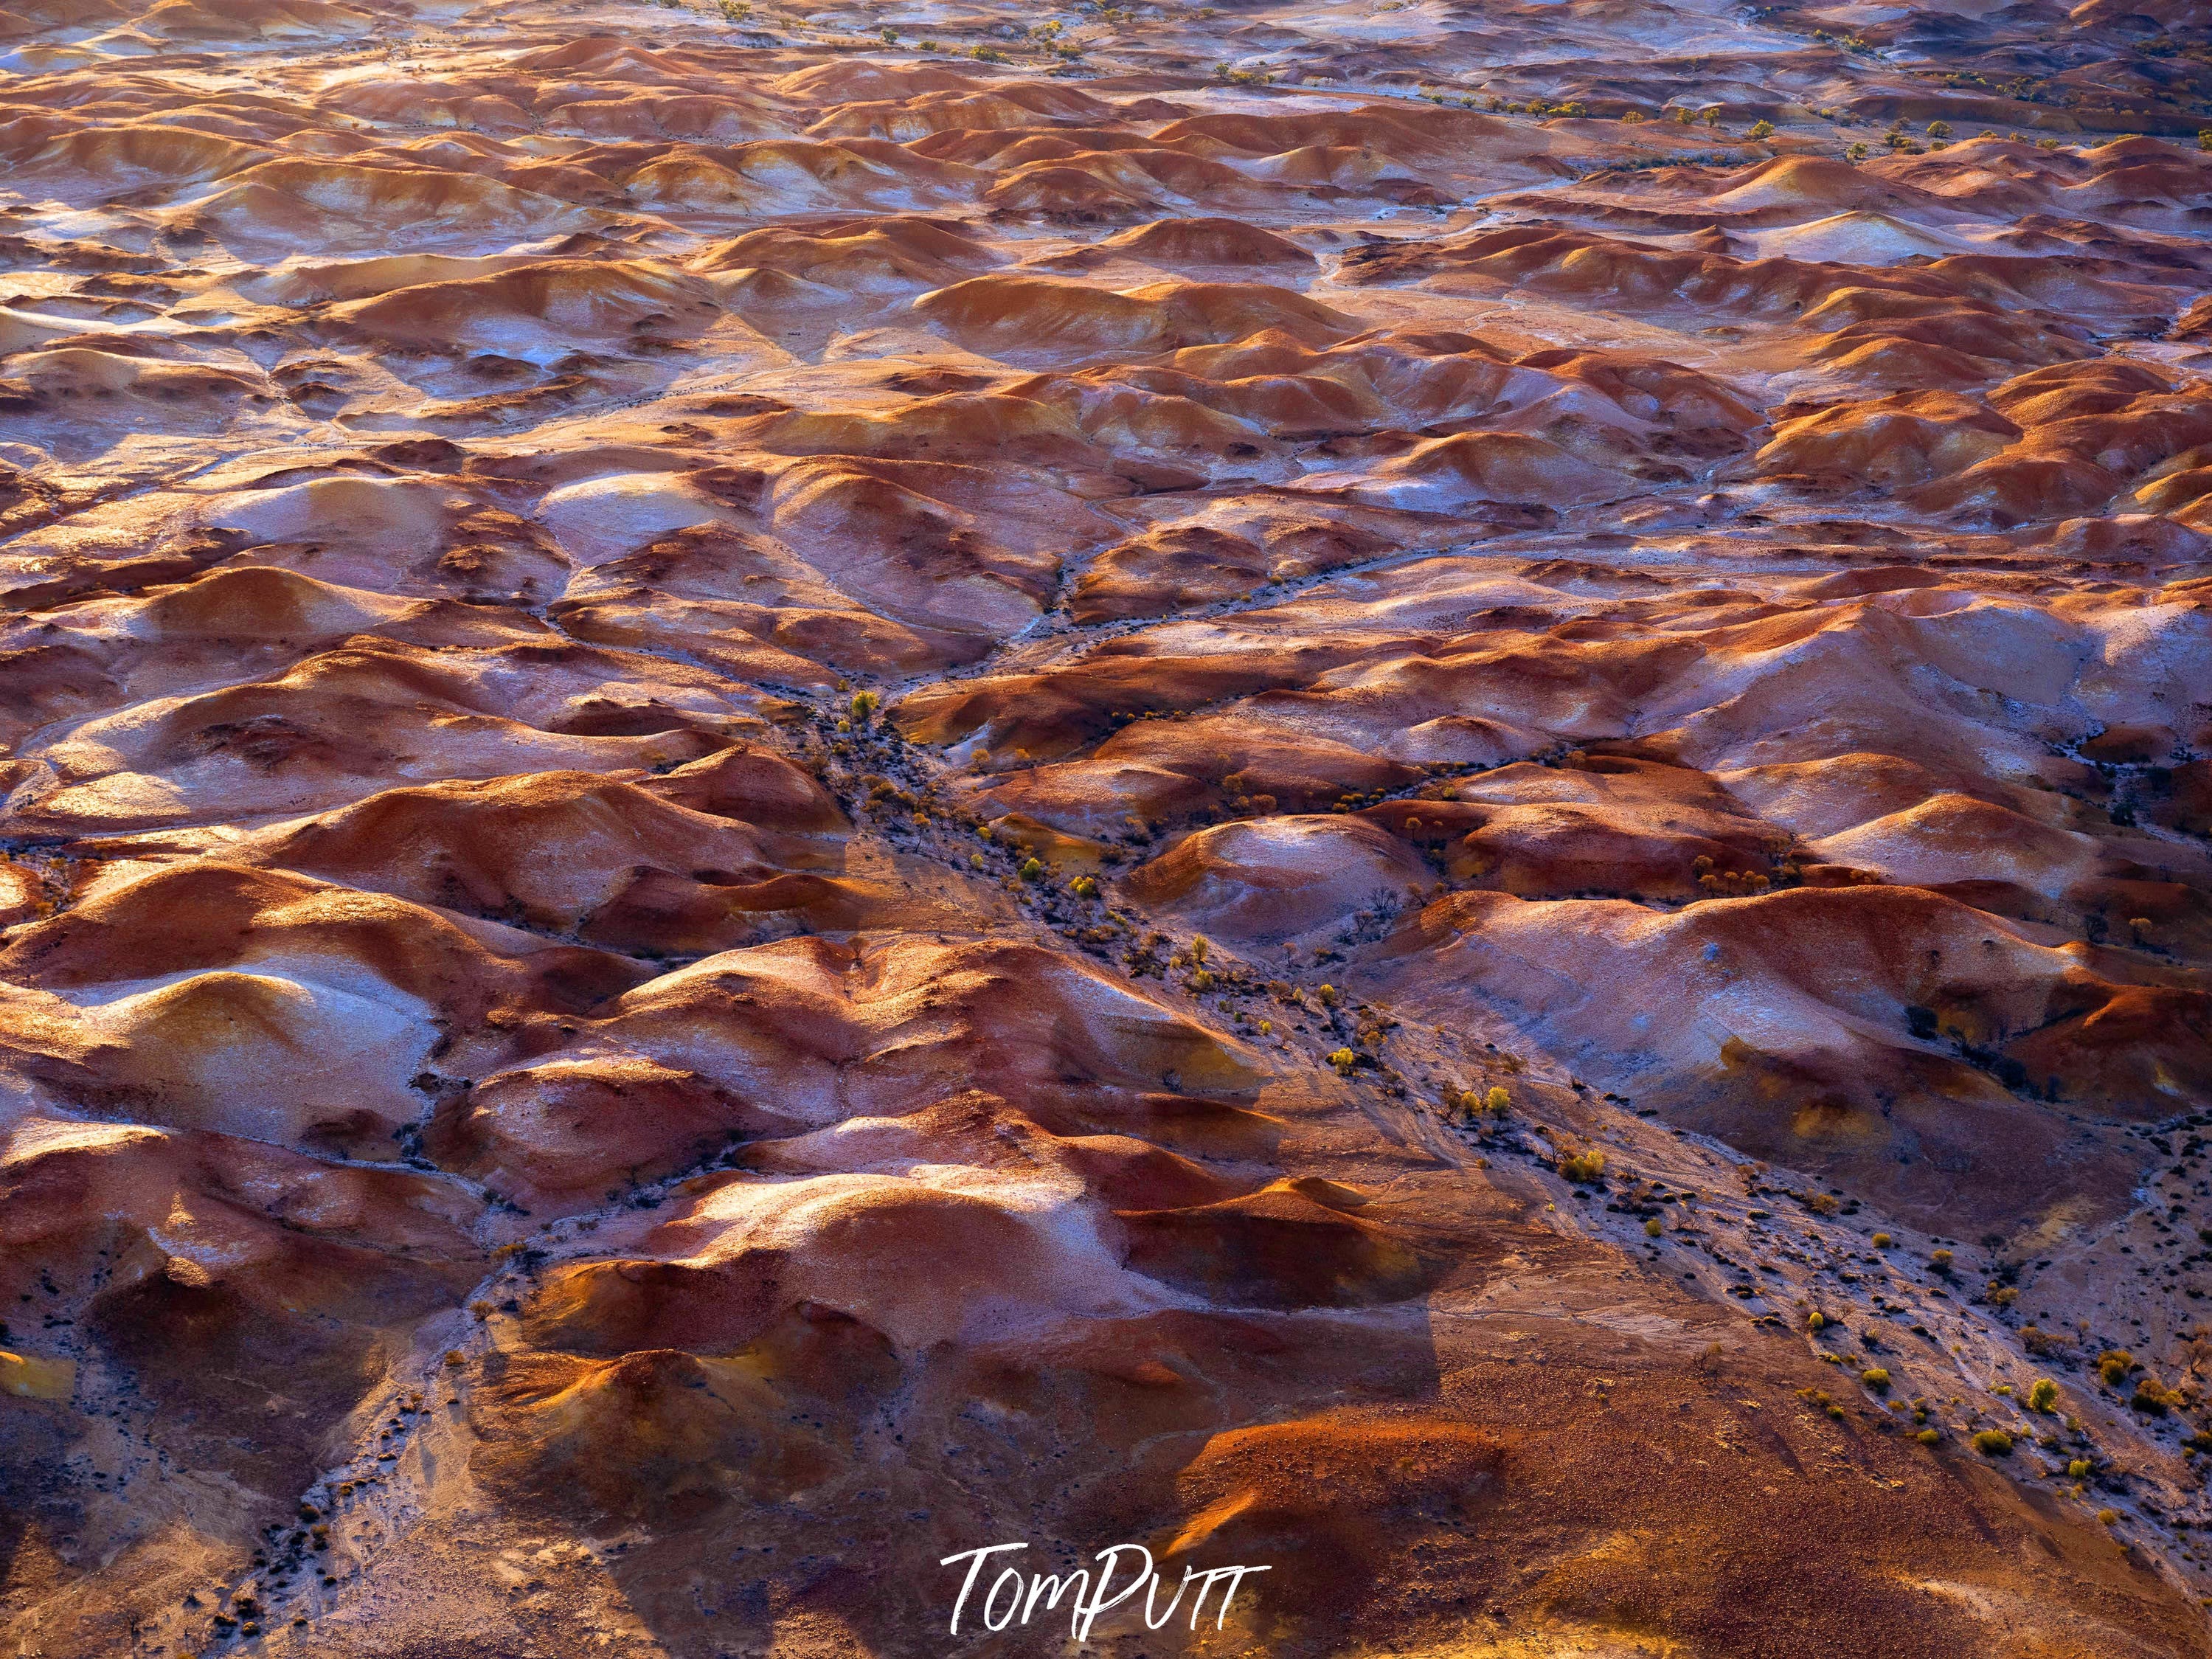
x=1583 y=1166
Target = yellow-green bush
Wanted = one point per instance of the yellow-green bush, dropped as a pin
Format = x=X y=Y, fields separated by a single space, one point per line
x=1583 y=1166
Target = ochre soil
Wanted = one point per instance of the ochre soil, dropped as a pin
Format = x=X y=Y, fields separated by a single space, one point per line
x=1417 y=791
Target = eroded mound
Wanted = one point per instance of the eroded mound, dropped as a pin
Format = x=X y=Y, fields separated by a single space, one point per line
x=1411 y=794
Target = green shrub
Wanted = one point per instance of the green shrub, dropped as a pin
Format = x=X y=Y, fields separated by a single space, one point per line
x=2152 y=1398
x=1993 y=1442
x=1583 y=1166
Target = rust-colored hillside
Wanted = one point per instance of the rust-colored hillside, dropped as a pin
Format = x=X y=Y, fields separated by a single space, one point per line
x=1412 y=791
